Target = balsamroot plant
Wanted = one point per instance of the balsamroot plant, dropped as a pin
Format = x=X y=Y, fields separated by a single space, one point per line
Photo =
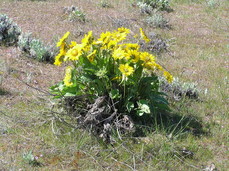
x=111 y=68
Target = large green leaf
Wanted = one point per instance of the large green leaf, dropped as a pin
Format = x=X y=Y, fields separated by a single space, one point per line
x=130 y=106
x=143 y=107
x=114 y=94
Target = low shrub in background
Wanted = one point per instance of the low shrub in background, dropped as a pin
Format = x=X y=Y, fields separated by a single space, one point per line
x=105 y=4
x=163 y=5
x=34 y=48
x=145 y=8
x=9 y=31
x=10 y=34
x=157 y=44
x=178 y=90
x=157 y=20
x=154 y=17
x=121 y=22
x=113 y=79
x=212 y=3
x=74 y=14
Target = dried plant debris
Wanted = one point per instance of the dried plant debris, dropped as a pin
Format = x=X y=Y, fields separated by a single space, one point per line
x=99 y=116
x=121 y=22
x=185 y=153
x=157 y=45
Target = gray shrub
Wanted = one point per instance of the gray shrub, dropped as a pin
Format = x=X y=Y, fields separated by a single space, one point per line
x=9 y=31
x=34 y=48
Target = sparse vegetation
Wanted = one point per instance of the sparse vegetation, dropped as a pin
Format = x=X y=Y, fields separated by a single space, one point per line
x=34 y=48
x=155 y=4
x=30 y=159
x=9 y=31
x=75 y=15
x=145 y=8
x=178 y=90
x=156 y=19
x=121 y=22
x=192 y=135
x=157 y=45
x=105 y=4
x=116 y=79
x=212 y=3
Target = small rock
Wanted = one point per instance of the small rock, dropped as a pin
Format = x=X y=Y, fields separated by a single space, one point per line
x=211 y=167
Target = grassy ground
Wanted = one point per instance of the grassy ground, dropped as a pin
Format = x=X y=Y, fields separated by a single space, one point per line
x=198 y=53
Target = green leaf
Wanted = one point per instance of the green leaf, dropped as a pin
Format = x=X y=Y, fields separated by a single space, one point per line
x=114 y=93
x=69 y=94
x=138 y=73
x=147 y=86
x=143 y=106
x=140 y=113
x=61 y=86
x=130 y=106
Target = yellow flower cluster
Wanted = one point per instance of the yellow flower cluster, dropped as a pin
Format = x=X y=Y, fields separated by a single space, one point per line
x=126 y=69
x=68 y=76
x=126 y=56
x=143 y=36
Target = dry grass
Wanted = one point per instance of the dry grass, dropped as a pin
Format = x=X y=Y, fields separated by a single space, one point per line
x=198 y=54
x=47 y=20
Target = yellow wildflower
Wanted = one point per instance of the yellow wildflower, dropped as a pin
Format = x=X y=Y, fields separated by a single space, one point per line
x=91 y=56
x=168 y=76
x=124 y=30
x=133 y=55
x=104 y=38
x=150 y=65
x=61 y=41
x=73 y=43
x=118 y=36
x=136 y=36
x=132 y=46
x=88 y=38
x=126 y=70
x=159 y=67
x=63 y=49
x=86 y=48
x=147 y=57
x=74 y=53
x=116 y=78
x=119 y=54
x=112 y=44
x=68 y=76
x=60 y=56
x=143 y=36
x=58 y=60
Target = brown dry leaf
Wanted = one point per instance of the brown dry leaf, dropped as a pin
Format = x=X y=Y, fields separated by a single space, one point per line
x=54 y=160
